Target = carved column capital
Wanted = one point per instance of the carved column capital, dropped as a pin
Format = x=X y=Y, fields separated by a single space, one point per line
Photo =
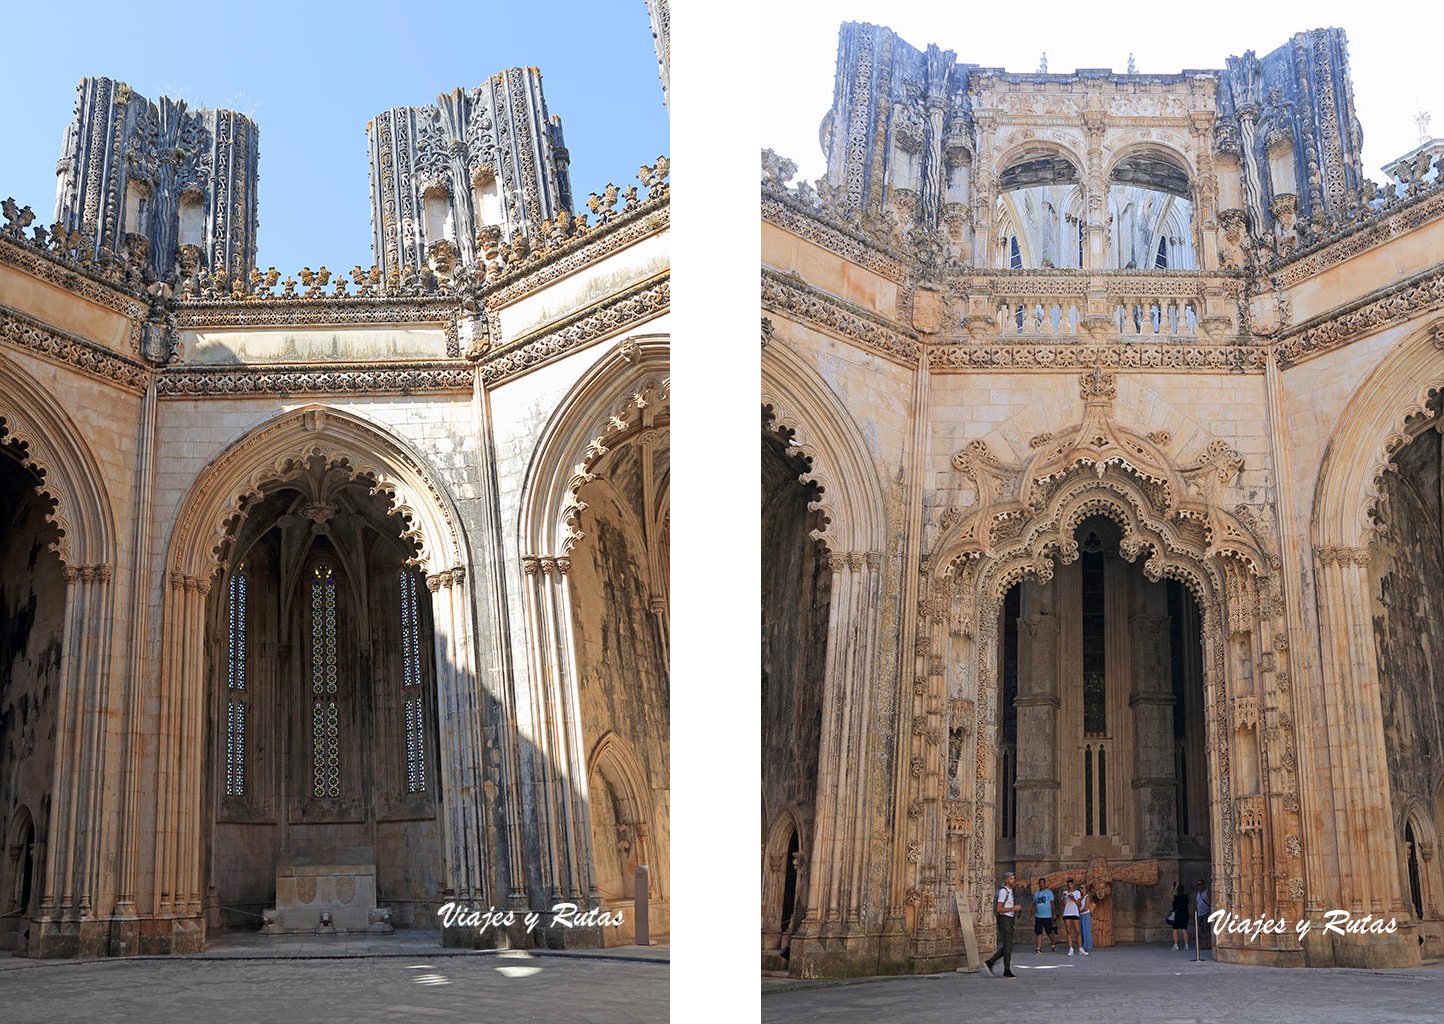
x=530 y=564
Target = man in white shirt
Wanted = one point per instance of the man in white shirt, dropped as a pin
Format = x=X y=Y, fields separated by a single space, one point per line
x=1005 y=910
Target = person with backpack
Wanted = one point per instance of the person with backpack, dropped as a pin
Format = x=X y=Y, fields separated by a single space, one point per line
x=1005 y=910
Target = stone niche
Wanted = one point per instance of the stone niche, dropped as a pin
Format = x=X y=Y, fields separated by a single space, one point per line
x=327 y=890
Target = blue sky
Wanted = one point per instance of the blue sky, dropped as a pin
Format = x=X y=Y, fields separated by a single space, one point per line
x=312 y=75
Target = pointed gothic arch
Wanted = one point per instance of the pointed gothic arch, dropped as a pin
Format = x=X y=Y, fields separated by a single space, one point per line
x=605 y=409
x=218 y=501
x=615 y=762
x=596 y=491
x=784 y=859
x=1386 y=412
x=1394 y=405
x=56 y=450
x=824 y=432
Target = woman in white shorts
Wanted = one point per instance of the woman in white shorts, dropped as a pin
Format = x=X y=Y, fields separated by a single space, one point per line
x=1072 y=907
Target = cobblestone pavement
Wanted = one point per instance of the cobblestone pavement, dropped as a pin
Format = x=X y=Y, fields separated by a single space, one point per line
x=297 y=986
x=1126 y=983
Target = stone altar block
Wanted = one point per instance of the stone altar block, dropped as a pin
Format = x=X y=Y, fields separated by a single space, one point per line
x=339 y=882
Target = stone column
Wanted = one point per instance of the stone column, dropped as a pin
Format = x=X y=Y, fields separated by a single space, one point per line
x=73 y=827
x=1155 y=781
x=558 y=764
x=834 y=888
x=1037 y=749
x=463 y=824
x=181 y=761
x=1369 y=880
x=583 y=883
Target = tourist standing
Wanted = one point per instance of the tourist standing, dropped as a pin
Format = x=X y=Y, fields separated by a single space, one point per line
x=1201 y=910
x=1072 y=908
x=1085 y=918
x=1005 y=909
x=1043 y=923
x=1178 y=915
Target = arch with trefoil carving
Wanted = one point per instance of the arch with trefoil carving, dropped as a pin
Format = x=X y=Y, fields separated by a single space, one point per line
x=1170 y=518
x=199 y=549
x=797 y=402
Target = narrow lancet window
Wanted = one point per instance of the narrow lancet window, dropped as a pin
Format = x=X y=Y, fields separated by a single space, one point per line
x=236 y=684
x=411 y=685
x=1095 y=686
x=325 y=725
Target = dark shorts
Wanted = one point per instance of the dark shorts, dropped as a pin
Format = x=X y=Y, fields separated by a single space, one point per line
x=1044 y=924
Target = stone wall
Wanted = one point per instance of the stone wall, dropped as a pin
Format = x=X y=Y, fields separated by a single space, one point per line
x=1408 y=610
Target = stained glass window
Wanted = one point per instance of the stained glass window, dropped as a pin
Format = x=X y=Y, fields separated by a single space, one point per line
x=236 y=684
x=411 y=685
x=235 y=748
x=325 y=727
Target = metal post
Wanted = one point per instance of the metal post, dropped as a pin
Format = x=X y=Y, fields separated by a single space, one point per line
x=641 y=904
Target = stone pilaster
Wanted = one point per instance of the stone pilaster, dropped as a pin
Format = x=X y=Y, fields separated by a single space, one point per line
x=463 y=823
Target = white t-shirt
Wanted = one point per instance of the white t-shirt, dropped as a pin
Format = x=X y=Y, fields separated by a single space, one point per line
x=1005 y=897
x=1071 y=899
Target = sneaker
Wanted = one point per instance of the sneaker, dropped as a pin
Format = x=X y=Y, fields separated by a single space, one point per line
x=1175 y=947
x=1083 y=951
x=988 y=966
x=1009 y=974
x=1070 y=950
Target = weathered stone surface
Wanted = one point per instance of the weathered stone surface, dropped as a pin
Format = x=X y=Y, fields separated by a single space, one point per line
x=1246 y=410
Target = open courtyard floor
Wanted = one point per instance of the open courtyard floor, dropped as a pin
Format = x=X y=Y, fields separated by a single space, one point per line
x=405 y=977
x=1149 y=984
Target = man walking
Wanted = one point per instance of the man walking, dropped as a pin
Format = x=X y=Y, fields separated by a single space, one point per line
x=1005 y=909
x=1043 y=917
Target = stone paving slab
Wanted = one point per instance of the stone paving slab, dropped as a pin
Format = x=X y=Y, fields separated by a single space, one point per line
x=1123 y=983
x=504 y=986
x=404 y=943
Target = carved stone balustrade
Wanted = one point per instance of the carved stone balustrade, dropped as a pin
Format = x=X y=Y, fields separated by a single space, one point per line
x=1069 y=305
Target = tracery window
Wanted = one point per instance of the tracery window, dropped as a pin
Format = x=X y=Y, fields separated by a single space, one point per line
x=236 y=684
x=325 y=725
x=411 y=690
